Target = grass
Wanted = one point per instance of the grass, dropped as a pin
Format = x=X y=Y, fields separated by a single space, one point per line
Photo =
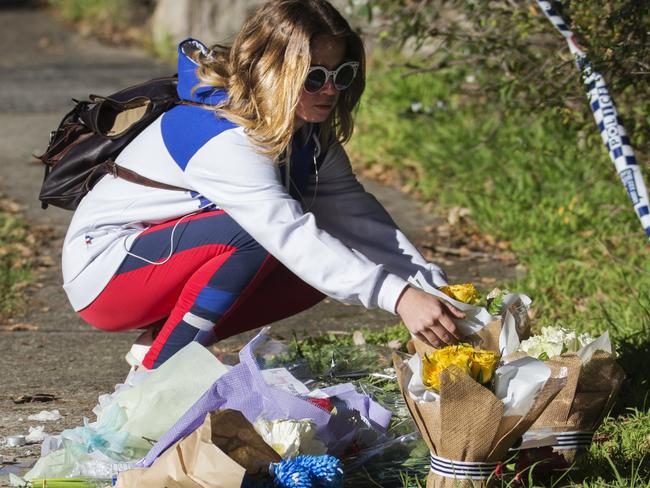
x=118 y=22
x=16 y=258
x=531 y=178
x=96 y=11
x=547 y=187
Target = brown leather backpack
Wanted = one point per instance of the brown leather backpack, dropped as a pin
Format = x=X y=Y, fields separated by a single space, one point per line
x=83 y=148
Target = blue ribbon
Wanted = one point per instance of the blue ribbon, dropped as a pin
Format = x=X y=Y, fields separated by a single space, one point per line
x=308 y=472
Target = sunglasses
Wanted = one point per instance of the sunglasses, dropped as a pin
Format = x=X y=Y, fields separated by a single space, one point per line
x=343 y=76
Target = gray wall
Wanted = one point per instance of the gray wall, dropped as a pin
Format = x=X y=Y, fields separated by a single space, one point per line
x=209 y=21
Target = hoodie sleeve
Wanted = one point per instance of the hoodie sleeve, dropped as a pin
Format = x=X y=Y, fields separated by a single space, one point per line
x=344 y=209
x=228 y=171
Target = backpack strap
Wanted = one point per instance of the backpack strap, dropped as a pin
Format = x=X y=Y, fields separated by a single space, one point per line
x=129 y=175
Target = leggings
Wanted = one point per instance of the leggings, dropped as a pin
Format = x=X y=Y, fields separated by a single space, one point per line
x=217 y=282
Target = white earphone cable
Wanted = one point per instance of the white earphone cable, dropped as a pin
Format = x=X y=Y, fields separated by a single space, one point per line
x=171 y=244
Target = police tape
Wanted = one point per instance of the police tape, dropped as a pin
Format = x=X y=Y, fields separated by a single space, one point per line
x=608 y=121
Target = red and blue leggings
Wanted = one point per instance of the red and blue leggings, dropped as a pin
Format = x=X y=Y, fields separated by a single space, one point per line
x=217 y=282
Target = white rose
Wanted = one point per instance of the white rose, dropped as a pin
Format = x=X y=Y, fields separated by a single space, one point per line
x=571 y=342
x=532 y=346
x=550 y=343
x=290 y=437
x=554 y=334
x=553 y=348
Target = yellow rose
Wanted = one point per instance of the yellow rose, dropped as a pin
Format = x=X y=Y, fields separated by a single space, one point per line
x=436 y=362
x=480 y=365
x=465 y=293
x=483 y=366
x=431 y=373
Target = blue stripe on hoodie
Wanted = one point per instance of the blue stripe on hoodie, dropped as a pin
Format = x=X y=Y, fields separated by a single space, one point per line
x=186 y=128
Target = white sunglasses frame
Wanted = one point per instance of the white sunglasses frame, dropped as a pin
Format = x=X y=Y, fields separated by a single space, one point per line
x=332 y=74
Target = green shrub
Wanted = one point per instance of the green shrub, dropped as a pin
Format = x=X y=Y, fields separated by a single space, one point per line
x=105 y=17
x=93 y=10
x=518 y=58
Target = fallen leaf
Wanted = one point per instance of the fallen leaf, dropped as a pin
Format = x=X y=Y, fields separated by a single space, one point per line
x=220 y=349
x=507 y=256
x=36 y=397
x=18 y=327
x=44 y=42
x=456 y=214
x=46 y=261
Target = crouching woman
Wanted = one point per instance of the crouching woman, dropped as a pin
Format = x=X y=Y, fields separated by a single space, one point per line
x=273 y=218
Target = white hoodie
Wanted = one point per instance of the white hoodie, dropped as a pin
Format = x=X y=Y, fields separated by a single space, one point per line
x=327 y=229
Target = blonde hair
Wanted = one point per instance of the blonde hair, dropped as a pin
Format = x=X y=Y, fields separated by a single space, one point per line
x=264 y=70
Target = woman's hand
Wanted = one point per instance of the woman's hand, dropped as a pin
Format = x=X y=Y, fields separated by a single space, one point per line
x=428 y=318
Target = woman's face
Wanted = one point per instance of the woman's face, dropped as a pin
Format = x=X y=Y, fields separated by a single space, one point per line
x=316 y=107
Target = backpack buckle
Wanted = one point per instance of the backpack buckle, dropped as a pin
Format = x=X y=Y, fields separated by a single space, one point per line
x=112 y=168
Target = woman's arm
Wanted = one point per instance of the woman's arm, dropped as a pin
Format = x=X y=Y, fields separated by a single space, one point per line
x=344 y=209
x=348 y=212
x=229 y=171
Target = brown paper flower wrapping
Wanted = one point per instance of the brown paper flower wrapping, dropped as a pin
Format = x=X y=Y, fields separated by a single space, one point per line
x=467 y=423
x=216 y=455
x=582 y=403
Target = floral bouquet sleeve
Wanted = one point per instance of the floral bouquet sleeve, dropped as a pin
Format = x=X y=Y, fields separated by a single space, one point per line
x=469 y=413
x=593 y=380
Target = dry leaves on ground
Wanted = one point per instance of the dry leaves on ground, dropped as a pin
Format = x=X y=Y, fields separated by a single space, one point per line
x=20 y=326
x=459 y=237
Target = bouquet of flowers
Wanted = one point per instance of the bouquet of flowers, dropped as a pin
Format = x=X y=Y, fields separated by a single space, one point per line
x=553 y=341
x=469 y=411
x=225 y=451
x=593 y=379
x=254 y=417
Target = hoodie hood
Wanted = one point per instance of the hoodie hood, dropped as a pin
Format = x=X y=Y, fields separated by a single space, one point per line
x=187 y=78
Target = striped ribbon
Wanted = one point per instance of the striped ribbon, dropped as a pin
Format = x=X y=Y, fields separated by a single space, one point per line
x=461 y=470
x=573 y=440
x=608 y=121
